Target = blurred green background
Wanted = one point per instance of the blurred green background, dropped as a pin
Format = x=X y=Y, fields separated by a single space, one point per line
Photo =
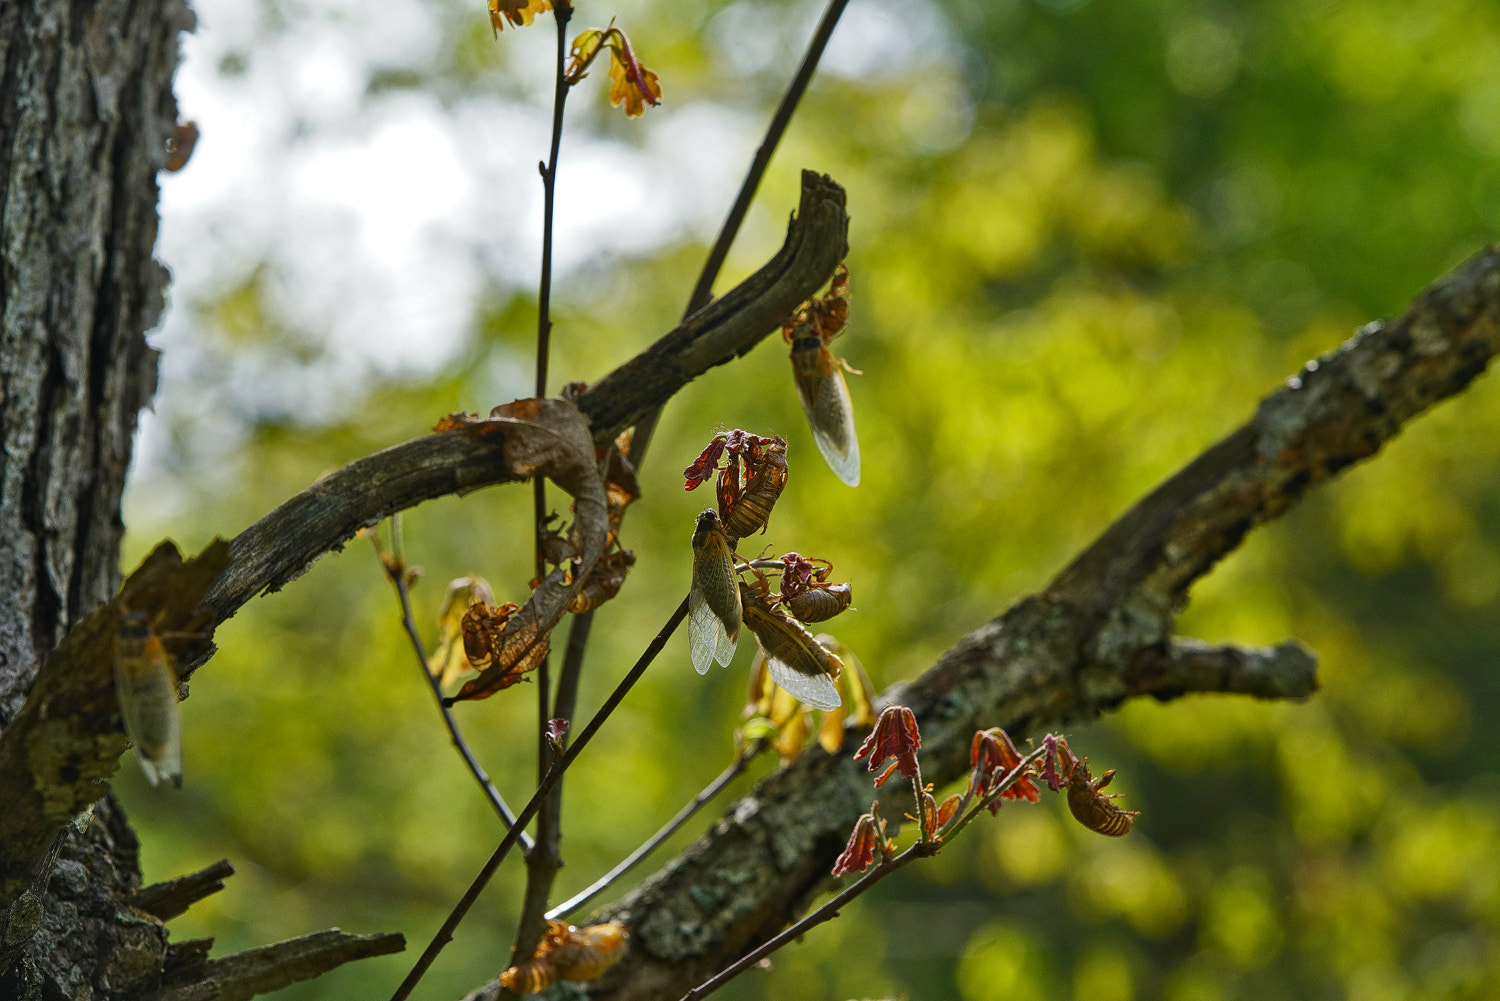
x=1087 y=238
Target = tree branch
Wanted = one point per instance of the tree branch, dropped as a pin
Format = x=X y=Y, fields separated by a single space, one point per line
x=282 y=545
x=168 y=899
x=272 y=967
x=1099 y=634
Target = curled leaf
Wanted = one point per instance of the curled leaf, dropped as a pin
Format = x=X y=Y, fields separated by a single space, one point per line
x=867 y=837
x=543 y=437
x=895 y=736
x=630 y=82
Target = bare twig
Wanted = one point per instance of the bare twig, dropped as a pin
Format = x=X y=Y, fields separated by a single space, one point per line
x=542 y=864
x=735 y=770
x=395 y=572
x=166 y=900
x=272 y=967
x=445 y=933
x=703 y=290
x=1082 y=646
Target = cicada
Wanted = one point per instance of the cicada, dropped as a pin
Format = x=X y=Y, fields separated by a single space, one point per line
x=604 y=581
x=797 y=662
x=714 y=601
x=819 y=376
x=146 y=688
x=751 y=478
x=749 y=511
x=1091 y=807
x=805 y=590
x=567 y=953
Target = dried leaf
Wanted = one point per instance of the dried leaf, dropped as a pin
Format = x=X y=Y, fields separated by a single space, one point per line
x=543 y=437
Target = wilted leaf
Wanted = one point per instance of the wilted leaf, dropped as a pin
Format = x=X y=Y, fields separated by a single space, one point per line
x=631 y=83
x=855 y=680
x=543 y=437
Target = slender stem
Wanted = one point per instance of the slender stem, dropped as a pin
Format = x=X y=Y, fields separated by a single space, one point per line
x=703 y=291
x=923 y=848
x=1011 y=777
x=728 y=775
x=562 y=11
x=395 y=571
x=445 y=933
x=827 y=912
x=543 y=863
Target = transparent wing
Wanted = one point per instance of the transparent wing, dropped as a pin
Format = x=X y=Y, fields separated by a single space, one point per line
x=816 y=690
x=148 y=705
x=707 y=636
x=825 y=401
x=724 y=652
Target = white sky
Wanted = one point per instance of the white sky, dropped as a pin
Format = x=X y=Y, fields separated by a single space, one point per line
x=379 y=218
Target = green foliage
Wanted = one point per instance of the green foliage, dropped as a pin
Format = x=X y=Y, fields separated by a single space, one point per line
x=1087 y=239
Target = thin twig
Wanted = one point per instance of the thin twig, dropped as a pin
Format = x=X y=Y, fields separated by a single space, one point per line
x=827 y=912
x=445 y=933
x=736 y=768
x=703 y=291
x=922 y=848
x=395 y=571
x=542 y=864
x=645 y=427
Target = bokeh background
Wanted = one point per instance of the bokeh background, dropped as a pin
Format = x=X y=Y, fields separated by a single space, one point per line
x=1087 y=237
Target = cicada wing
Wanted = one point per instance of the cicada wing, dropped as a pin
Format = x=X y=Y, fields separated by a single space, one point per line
x=816 y=690
x=704 y=631
x=713 y=616
x=825 y=401
x=714 y=602
x=724 y=651
x=148 y=705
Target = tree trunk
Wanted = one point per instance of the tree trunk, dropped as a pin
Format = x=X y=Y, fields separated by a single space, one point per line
x=86 y=107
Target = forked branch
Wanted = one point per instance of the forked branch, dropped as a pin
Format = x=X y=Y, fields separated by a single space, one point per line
x=1101 y=633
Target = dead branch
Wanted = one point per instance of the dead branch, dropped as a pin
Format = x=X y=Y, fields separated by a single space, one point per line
x=1099 y=634
x=272 y=967
x=168 y=899
x=283 y=544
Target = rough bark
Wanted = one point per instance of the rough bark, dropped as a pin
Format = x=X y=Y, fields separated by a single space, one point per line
x=85 y=109
x=1099 y=634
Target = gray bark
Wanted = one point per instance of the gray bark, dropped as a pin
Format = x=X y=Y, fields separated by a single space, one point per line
x=85 y=108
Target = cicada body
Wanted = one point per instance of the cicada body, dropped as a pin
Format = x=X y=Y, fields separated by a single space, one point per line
x=1091 y=807
x=146 y=689
x=824 y=395
x=594 y=950
x=819 y=376
x=820 y=602
x=567 y=953
x=797 y=662
x=750 y=511
x=604 y=581
x=714 y=601
x=805 y=590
